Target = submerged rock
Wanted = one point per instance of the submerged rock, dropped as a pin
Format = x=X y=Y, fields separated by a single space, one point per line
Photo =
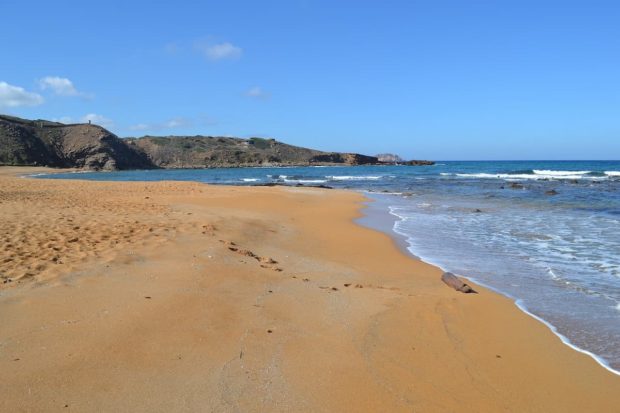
x=416 y=162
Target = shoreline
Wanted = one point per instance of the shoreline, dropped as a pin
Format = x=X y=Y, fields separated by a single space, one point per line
x=401 y=242
x=402 y=340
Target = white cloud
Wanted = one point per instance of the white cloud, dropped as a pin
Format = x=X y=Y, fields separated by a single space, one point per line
x=92 y=117
x=219 y=51
x=60 y=86
x=169 y=124
x=176 y=123
x=14 y=96
x=63 y=119
x=140 y=126
x=257 y=92
x=97 y=120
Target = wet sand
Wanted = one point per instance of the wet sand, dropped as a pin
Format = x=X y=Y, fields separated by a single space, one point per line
x=178 y=296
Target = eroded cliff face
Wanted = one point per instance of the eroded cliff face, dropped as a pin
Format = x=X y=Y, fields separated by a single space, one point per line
x=25 y=142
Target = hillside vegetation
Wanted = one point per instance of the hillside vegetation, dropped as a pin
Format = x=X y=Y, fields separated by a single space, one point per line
x=86 y=146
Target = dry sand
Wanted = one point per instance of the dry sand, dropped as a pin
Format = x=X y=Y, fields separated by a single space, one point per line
x=169 y=296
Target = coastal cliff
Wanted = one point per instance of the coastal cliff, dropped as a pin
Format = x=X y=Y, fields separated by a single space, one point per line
x=86 y=146
x=44 y=143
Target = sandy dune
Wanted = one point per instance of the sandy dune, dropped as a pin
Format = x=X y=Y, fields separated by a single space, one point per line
x=169 y=296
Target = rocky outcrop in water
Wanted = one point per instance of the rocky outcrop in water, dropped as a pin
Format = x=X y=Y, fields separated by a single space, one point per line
x=417 y=163
x=389 y=158
x=393 y=159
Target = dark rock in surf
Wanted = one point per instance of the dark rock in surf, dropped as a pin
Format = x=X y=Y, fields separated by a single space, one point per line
x=322 y=186
x=418 y=163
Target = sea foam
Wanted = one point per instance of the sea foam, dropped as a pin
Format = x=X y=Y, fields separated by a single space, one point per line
x=535 y=175
x=354 y=177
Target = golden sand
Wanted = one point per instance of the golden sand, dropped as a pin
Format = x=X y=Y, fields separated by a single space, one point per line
x=171 y=296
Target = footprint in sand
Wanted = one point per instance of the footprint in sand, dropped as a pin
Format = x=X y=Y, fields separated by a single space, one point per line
x=209 y=229
x=265 y=262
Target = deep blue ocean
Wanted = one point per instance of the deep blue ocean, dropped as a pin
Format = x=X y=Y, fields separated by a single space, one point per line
x=545 y=233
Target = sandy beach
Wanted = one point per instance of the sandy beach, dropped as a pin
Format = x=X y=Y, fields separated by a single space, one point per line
x=183 y=297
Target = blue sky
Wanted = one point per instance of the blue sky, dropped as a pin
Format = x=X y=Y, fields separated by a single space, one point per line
x=425 y=79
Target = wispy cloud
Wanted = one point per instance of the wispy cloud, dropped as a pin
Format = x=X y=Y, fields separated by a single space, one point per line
x=97 y=120
x=257 y=92
x=61 y=86
x=173 y=123
x=171 y=48
x=91 y=117
x=63 y=119
x=218 y=51
x=14 y=96
x=140 y=126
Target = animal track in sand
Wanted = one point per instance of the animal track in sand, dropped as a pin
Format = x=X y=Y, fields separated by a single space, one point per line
x=369 y=286
x=265 y=262
x=209 y=229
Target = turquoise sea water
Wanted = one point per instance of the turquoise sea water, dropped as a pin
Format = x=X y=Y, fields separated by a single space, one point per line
x=545 y=233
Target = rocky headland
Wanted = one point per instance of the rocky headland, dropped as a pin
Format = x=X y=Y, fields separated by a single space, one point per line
x=88 y=146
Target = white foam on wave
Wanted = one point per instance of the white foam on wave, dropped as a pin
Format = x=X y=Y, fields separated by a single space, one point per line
x=400 y=217
x=305 y=181
x=552 y=274
x=559 y=173
x=518 y=302
x=251 y=179
x=354 y=177
x=536 y=176
x=612 y=173
x=61 y=173
x=382 y=193
x=565 y=340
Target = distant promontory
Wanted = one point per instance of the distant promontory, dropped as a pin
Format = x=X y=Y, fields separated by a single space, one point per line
x=86 y=146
